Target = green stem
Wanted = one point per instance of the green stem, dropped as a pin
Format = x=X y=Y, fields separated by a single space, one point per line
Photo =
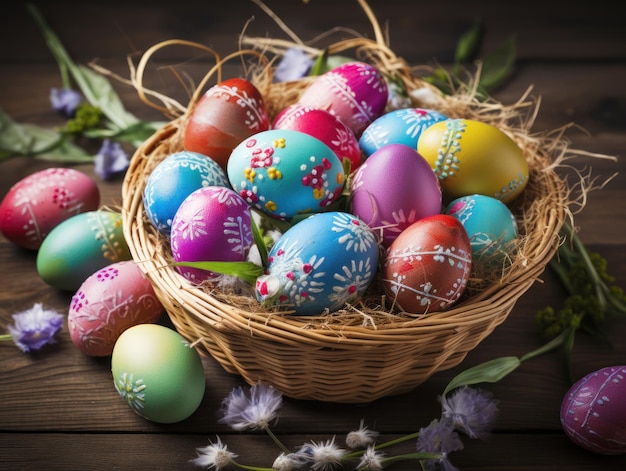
x=556 y=342
x=418 y=455
x=6 y=337
x=276 y=440
x=380 y=446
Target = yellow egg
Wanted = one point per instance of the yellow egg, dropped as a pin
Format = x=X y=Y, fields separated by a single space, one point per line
x=472 y=157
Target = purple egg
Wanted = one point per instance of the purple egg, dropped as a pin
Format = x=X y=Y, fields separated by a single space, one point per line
x=593 y=412
x=211 y=224
x=394 y=188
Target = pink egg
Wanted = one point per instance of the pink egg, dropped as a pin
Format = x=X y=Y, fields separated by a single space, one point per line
x=394 y=188
x=211 y=224
x=326 y=127
x=593 y=412
x=223 y=117
x=426 y=268
x=107 y=303
x=355 y=92
x=41 y=201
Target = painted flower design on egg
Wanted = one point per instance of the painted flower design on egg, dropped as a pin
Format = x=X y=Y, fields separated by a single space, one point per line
x=319 y=264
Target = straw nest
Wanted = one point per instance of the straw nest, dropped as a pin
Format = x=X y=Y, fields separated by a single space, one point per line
x=367 y=350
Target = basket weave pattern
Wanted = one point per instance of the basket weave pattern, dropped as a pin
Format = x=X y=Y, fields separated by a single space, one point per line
x=330 y=361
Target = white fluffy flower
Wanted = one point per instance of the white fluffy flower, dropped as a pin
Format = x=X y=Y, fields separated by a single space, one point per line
x=215 y=455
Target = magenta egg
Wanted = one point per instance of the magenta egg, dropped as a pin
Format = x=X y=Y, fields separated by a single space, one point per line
x=355 y=92
x=326 y=127
x=593 y=412
x=211 y=224
x=41 y=201
x=394 y=188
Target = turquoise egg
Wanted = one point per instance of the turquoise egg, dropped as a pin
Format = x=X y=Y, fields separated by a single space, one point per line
x=489 y=223
x=320 y=264
x=158 y=373
x=80 y=246
x=402 y=126
x=175 y=178
x=283 y=173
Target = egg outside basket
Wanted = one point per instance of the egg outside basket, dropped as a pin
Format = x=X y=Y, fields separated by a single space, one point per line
x=366 y=351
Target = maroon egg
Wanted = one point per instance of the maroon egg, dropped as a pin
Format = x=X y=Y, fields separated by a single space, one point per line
x=41 y=201
x=326 y=127
x=223 y=117
x=394 y=188
x=426 y=268
x=593 y=412
x=211 y=224
x=355 y=92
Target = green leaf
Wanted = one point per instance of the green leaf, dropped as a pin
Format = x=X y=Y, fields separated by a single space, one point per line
x=498 y=65
x=134 y=134
x=247 y=271
x=324 y=63
x=95 y=87
x=491 y=371
x=26 y=140
x=259 y=241
x=469 y=44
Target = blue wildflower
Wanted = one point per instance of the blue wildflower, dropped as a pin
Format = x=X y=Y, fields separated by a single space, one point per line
x=439 y=437
x=34 y=328
x=471 y=411
x=294 y=65
x=64 y=101
x=110 y=159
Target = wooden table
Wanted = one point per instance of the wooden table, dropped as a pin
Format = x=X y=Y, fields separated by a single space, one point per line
x=59 y=409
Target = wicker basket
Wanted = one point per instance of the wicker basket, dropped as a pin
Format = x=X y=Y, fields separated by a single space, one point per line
x=328 y=358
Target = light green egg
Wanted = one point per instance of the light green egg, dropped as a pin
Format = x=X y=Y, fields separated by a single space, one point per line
x=158 y=373
x=80 y=246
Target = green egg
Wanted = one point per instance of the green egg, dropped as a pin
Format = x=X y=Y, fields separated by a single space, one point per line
x=80 y=246
x=158 y=373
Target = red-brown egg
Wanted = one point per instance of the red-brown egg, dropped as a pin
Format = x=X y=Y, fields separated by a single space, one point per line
x=593 y=412
x=426 y=268
x=326 y=127
x=41 y=201
x=108 y=302
x=355 y=92
x=223 y=117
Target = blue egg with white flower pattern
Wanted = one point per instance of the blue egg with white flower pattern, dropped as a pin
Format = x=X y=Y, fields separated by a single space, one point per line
x=175 y=178
x=320 y=264
x=402 y=126
x=489 y=223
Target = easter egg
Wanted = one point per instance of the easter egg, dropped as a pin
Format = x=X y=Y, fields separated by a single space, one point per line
x=593 y=411
x=157 y=372
x=356 y=92
x=223 y=117
x=212 y=224
x=320 y=264
x=401 y=126
x=41 y=201
x=326 y=127
x=283 y=173
x=392 y=189
x=175 y=178
x=80 y=246
x=426 y=268
x=489 y=223
x=108 y=302
x=472 y=157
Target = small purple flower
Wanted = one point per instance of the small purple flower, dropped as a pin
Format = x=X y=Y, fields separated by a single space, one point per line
x=439 y=437
x=35 y=328
x=294 y=65
x=471 y=411
x=251 y=409
x=110 y=159
x=64 y=101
